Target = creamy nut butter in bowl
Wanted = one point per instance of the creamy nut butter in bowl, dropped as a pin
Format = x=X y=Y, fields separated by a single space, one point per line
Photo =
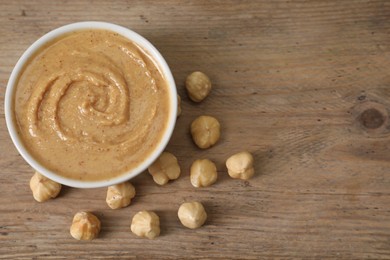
x=91 y=104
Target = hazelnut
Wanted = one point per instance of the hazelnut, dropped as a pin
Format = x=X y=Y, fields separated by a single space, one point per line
x=178 y=105
x=85 y=226
x=205 y=131
x=165 y=168
x=240 y=166
x=192 y=214
x=120 y=195
x=203 y=173
x=146 y=224
x=198 y=86
x=43 y=188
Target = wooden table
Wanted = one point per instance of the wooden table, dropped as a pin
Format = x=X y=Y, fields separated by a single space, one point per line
x=303 y=85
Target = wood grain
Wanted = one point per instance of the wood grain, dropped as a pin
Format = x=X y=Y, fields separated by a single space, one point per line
x=303 y=85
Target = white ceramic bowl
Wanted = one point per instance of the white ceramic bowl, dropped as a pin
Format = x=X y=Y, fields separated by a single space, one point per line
x=131 y=35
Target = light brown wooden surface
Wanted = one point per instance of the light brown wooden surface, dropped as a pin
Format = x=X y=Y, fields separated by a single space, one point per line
x=291 y=82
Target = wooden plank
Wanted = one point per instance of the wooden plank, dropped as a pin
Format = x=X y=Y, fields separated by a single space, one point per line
x=292 y=80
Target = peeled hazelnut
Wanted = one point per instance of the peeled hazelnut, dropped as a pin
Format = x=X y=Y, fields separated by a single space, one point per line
x=198 y=86
x=205 y=131
x=192 y=214
x=165 y=168
x=203 y=173
x=43 y=188
x=85 y=226
x=178 y=105
x=146 y=224
x=240 y=166
x=120 y=195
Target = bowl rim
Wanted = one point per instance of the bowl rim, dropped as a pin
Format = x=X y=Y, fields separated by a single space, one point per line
x=33 y=48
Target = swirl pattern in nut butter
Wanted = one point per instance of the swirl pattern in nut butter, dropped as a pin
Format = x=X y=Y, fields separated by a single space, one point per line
x=91 y=105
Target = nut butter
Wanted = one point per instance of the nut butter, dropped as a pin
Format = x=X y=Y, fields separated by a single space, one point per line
x=91 y=105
